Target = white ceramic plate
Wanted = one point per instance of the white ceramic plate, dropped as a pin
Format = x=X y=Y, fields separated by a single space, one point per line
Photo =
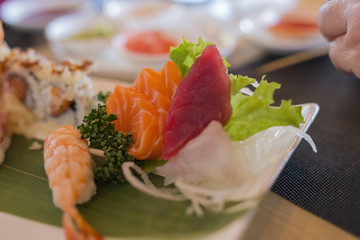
x=256 y=30
x=36 y=14
x=270 y=171
x=112 y=63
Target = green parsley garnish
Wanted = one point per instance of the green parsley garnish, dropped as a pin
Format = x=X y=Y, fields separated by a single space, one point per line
x=98 y=128
x=103 y=96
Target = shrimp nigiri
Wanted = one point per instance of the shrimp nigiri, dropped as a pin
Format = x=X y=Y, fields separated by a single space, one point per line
x=69 y=167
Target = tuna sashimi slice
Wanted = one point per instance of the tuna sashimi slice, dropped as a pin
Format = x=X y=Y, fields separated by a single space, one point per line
x=202 y=96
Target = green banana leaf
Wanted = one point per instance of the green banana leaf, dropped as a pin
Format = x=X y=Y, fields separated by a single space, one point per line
x=116 y=211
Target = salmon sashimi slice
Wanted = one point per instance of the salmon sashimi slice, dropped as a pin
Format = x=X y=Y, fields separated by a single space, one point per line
x=171 y=77
x=148 y=82
x=135 y=115
x=165 y=81
x=152 y=86
x=142 y=109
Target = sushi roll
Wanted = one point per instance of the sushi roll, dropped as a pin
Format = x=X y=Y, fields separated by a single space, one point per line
x=40 y=95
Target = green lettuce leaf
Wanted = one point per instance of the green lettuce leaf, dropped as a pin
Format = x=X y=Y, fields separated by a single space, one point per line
x=252 y=114
x=186 y=53
x=149 y=166
x=238 y=82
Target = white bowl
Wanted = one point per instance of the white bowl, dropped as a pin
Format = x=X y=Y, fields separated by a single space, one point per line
x=61 y=34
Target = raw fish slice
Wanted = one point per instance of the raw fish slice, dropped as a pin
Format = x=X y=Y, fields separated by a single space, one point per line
x=171 y=76
x=202 y=96
x=135 y=115
x=151 y=84
x=153 y=88
x=142 y=109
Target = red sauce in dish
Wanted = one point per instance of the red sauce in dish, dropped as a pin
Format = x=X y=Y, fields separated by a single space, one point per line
x=150 y=42
x=294 y=29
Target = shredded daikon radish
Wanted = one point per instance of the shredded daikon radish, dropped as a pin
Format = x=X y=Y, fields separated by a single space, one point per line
x=147 y=186
x=212 y=176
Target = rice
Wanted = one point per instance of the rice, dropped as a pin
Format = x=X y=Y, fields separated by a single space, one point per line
x=54 y=95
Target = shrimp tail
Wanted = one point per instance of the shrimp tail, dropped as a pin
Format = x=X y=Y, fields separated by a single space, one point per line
x=70 y=231
x=76 y=228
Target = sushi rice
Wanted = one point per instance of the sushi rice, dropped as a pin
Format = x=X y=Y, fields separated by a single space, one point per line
x=32 y=116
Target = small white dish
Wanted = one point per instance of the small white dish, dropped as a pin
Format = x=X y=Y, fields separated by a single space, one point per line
x=83 y=34
x=256 y=29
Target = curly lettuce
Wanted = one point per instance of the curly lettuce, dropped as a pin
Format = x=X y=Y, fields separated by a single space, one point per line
x=253 y=113
x=187 y=52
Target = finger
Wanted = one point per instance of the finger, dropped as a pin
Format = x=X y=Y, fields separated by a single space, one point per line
x=332 y=19
x=344 y=58
x=337 y=54
x=352 y=38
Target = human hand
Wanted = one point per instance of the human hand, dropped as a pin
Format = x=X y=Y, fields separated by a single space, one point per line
x=339 y=22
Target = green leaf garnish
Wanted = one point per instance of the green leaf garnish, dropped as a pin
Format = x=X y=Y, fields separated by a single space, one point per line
x=238 y=82
x=186 y=53
x=98 y=128
x=252 y=114
x=103 y=96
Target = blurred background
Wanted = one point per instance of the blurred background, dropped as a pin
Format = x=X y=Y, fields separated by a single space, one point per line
x=123 y=36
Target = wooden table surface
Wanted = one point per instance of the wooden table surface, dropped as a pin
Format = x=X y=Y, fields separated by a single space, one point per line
x=280 y=219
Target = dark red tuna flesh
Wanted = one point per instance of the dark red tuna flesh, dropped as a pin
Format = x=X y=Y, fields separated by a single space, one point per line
x=202 y=96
